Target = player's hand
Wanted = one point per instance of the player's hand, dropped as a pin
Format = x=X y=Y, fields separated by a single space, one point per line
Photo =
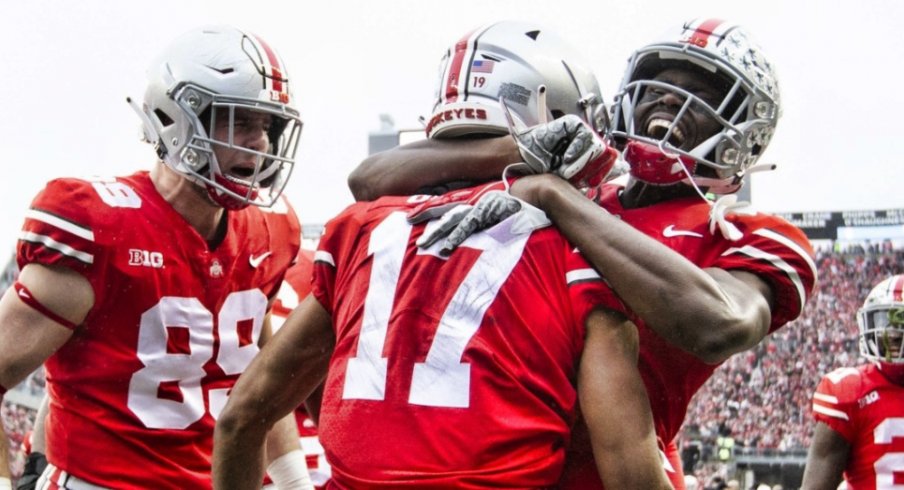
x=34 y=466
x=466 y=219
x=569 y=148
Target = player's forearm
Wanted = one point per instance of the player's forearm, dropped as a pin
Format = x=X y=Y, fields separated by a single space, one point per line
x=674 y=297
x=615 y=406
x=282 y=438
x=407 y=169
x=238 y=458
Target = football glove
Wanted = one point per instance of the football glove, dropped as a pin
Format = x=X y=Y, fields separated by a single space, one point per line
x=464 y=220
x=34 y=466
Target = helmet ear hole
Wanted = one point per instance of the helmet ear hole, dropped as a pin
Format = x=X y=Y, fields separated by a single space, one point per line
x=165 y=120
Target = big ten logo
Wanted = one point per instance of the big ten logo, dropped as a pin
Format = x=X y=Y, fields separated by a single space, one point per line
x=145 y=258
x=871 y=397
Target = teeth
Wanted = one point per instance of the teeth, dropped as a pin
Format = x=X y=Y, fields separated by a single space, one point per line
x=658 y=127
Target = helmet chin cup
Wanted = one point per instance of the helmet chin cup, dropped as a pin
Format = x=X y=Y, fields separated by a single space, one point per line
x=649 y=164
x=229 y=201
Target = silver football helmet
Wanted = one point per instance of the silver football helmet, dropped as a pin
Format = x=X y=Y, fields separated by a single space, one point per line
x=211 y=73
x=512 y=61
x=747 y=110
x=881 y=322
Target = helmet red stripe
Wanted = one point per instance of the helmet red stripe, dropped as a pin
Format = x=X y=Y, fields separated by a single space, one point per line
x=453 y=77
x=898 y=288
x=275 y=70
x=700 y=37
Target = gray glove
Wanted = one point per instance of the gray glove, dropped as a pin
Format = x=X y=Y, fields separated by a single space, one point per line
x=465 y=220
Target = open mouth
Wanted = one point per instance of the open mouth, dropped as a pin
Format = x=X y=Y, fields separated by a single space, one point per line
x=658 y=128
x=242 y=174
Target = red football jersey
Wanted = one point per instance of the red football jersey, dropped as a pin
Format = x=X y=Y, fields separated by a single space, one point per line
x=453 y=372
x=773 y=249
x=135 y=392
x=867 y=410
x=295 y=287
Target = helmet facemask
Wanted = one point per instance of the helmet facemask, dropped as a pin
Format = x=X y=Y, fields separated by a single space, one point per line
x=745 y=111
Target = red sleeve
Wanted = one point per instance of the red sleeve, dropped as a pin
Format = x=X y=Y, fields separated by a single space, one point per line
x=64 y=228
x=835 y=401
x=336 y=245
x=587 y=288
x=780 y=254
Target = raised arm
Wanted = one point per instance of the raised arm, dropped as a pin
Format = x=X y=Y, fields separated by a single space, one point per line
x=280 y=377
x=826 y=459
x=29 y=335
x=417 y=167
x=710 y=313
x=615 y=406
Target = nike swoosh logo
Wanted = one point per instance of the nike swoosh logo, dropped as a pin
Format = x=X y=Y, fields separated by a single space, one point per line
x=23 y=294
x=670 y=232
x=256 y=261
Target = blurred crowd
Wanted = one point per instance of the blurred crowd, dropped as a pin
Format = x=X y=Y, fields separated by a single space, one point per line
x=759 y=400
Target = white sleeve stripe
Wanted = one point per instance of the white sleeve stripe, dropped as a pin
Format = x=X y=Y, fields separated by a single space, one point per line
x=830 y=412
x=321 y=256
x=825 y=398
x=767 y=233
x=779 y=263
x=60 y=223
x=581 y=275
x=59 y=247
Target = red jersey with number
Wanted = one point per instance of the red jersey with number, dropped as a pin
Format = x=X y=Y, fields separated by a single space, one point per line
x=294 y=289
x=453 y=372
x=135 y=392
x=867 y=410
x=770 y=247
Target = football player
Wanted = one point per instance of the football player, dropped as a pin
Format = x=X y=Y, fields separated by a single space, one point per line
x=458 y=372
x=148 y=294
x=703 y=278
x=859 y=412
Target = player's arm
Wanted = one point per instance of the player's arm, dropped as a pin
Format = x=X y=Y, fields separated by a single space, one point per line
x=615 y=406
x=35 y=321
x=280 y=377
x=710 y=313
x=826 y=459
x=412 y=168
x=285 y=459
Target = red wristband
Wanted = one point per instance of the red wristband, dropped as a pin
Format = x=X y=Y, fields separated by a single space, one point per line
x=29 y=299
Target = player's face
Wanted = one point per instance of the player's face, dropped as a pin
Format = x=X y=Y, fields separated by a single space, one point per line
x=894 y=339
x=658 y=107
x=250 y=132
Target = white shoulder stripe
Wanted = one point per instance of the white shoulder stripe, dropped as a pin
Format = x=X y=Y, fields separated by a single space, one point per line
x=779 y=263
x=59 y=247
x=60 y=223
x=322 y=256
x=581 y=275
x=825 y=398
x=830 y=412
x=767 y=233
